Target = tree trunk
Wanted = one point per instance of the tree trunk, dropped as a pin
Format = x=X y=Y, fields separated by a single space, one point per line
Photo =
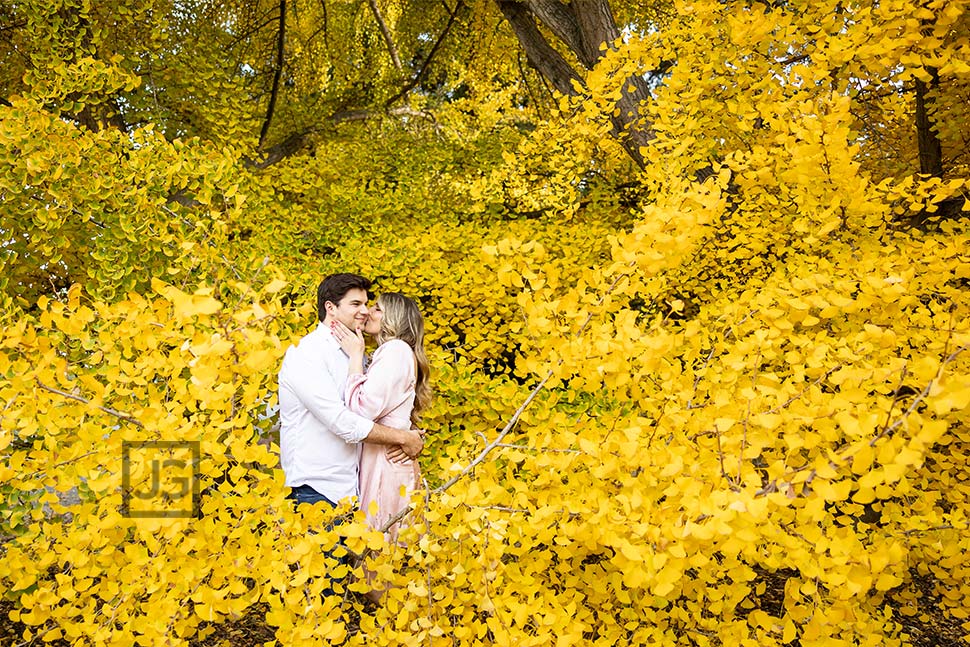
x=541 y=55
x=583 y=27
x=928 y=142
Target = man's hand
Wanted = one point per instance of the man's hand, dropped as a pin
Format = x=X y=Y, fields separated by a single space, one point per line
x=413 y=445
x=406 y=442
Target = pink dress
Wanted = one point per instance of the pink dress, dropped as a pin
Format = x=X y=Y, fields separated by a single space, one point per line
x=385 y=394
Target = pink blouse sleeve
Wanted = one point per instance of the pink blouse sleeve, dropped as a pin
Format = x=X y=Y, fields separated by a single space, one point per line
x=387 y=382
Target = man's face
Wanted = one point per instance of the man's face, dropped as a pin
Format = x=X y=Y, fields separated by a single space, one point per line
x=351 y=311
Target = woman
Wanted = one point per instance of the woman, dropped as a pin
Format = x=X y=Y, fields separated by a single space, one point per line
x=393 y=391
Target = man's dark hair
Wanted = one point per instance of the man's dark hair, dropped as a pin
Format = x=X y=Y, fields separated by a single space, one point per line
x=334 y=287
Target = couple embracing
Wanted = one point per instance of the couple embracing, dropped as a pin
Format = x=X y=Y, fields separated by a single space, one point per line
x=348 y=432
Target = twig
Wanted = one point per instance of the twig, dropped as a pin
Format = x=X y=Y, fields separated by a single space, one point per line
x=793 y=59
x=427 y=501
x=252 y=280
x=919 y=398
x=892 y=406
x=802 y=392
x=707 y=360
x=539 y=449
x=40 y=635
x=515 y=417
x=234 y=271
x=502 y=434
x=61 y=464
x=949 y=526
x=842 y=458
x=127 y=417
x=747 y=417
x=500 y=508
x=720 y=455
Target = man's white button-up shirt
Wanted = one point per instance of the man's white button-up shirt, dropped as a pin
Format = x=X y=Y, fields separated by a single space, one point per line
x=319 y=437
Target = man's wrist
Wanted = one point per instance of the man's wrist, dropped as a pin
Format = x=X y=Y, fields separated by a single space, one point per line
x=406 y=436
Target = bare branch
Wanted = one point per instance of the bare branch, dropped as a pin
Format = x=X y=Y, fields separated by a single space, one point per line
x=498 y=439
x=497 y=442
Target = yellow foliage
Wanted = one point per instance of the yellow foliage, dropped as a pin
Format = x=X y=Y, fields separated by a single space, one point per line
x=748 y=396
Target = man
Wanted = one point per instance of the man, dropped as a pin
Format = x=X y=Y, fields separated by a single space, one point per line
x=319 y=437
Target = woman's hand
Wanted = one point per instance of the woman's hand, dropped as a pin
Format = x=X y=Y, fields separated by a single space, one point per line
x=396 y=454
x=352 y=341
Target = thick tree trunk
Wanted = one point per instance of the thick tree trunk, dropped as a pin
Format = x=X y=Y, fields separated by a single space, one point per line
x=928 y=142
x=596 y=27
x=541 y=55
x=583 y=27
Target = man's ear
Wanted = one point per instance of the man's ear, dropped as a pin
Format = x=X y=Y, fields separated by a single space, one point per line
x=329 y=306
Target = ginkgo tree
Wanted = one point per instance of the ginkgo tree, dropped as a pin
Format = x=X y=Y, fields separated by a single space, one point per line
x=717 y=396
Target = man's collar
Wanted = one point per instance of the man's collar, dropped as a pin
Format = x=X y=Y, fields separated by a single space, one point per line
x=324 y=329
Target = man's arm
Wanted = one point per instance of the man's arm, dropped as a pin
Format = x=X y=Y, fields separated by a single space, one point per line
x=409 y=439
x=316 y=390
x=321 y=395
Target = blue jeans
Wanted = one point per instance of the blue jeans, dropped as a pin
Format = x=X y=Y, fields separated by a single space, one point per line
x=306 y=495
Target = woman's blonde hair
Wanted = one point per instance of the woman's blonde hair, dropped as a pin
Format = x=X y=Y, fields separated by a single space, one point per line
x=402 y=320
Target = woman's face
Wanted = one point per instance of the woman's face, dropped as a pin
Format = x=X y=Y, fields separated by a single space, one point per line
x=374 y=317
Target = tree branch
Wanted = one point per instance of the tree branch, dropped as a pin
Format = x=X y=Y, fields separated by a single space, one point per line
x=345 y=116
x=560 y=19
x=297 y=141
x=276 y=75
x=16 y=25
x=386 y=33
x=427 y=61
x=596 y=27
x=845 y=456
x=127 y=417
x=584 y=26
x=498 y=439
